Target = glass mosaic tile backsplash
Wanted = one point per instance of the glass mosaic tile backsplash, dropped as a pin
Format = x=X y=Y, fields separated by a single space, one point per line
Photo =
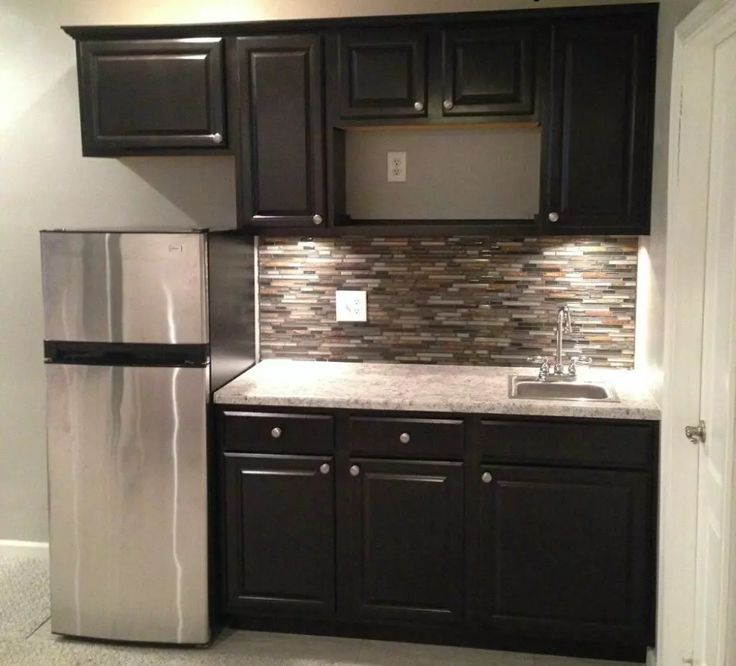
x=462 y=300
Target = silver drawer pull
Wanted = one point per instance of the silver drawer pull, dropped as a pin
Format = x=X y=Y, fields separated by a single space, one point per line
x=486 y=477
x=276 y=432
x=324 y=468
x=354 y=470
x=405 y=438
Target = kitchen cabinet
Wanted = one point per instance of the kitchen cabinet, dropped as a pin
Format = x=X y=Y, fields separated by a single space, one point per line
x=489 y=71
x=383 y=73
x=280 y=164
x=565 y=553
x=279 y=533
x=283 y=95
x=526 y=533
x=404 y=534
x=151 y=95
x=599 y=126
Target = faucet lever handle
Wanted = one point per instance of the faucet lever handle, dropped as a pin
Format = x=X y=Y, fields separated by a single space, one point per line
x=581 y=360
x=575 y=361
x=543 y=366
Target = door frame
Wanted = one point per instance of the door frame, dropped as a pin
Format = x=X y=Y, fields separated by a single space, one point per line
x=687 y=204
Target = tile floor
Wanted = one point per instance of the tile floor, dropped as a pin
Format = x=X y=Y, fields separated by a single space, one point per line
x=27 y=640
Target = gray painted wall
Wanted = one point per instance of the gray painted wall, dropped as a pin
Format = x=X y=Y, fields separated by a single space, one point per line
x=44 y=183
x=451 y=174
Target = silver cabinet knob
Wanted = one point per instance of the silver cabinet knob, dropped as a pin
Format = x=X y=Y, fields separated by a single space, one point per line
x=405 y=438
x=276 y=432
x=317 y=219
x=354 y=470
x=448 y=104
x=419 y=106
x=324 y=468
x=553 y=217
x=217 y=137
x=486 y=477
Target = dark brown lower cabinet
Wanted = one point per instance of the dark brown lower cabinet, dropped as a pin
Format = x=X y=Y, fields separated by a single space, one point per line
x=523 y=534
x=279 y=533
x=404 y=533
x=565 y=553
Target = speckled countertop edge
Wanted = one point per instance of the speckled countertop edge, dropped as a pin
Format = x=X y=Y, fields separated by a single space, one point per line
x=424 y=388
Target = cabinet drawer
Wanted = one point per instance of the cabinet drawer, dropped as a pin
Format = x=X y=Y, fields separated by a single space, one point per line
x=257 y=432
x=406 y=438
x=574 y=444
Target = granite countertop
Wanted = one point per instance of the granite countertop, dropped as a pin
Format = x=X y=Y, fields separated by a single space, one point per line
x=424 y=388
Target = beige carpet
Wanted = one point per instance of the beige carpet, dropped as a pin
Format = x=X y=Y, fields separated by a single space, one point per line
x=24 y=596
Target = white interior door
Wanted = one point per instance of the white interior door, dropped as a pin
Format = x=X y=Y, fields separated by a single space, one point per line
x=718 y=374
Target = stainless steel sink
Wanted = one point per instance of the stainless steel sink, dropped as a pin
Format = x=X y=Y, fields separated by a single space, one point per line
x=530 y=388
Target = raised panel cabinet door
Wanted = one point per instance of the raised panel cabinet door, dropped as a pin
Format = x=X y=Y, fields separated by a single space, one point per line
x=404 y=537
x=279 y=534
x=383 y=73
x=147 y=95
x=488 y=71
x=281 y=163
x=600 y=126
x=566 y=553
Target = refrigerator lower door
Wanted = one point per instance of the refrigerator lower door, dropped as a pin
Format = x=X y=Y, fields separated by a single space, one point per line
x=127 y=457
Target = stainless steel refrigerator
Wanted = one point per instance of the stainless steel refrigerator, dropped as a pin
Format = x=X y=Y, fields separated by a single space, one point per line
x=140 y=328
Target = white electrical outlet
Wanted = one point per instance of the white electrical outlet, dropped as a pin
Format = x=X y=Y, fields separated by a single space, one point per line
x=396 y=166
x=350 y=306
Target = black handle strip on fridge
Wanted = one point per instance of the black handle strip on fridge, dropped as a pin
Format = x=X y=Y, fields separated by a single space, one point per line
x=125 y=353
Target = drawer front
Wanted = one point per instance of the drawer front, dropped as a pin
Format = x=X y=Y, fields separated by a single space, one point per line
x=575 y=444
x=256 y=432
x=406 y=438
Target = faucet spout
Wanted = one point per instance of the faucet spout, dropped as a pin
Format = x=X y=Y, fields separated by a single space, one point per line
x=564 y=325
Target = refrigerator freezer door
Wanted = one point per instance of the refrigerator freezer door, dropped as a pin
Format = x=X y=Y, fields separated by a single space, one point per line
x=128 y=502
x=125 y=287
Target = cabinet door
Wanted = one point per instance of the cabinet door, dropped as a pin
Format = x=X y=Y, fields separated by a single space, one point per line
x=488 y=71
x=565 y=553
x=404 y=534
x=148 y=95
x=280 y=166
x=383 y=73
x=279 y=533
x=600 y=118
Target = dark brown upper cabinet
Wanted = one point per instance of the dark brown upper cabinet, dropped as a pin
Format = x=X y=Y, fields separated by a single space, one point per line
x=280 y=174
x=144 y=96
x=599 y=127
x=489 y=71
x=383 y=73
x=284 y=96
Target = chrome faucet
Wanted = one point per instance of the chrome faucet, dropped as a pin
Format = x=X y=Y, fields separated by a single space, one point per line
x=564 y=325
x=551 y=371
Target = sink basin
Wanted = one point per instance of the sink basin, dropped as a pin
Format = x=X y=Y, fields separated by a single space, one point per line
x=529 y=388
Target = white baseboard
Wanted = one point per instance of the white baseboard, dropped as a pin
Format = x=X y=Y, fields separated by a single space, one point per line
x=11 y=548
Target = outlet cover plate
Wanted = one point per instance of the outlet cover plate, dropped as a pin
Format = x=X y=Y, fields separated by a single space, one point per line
x=396 y=165
x=350 y=305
